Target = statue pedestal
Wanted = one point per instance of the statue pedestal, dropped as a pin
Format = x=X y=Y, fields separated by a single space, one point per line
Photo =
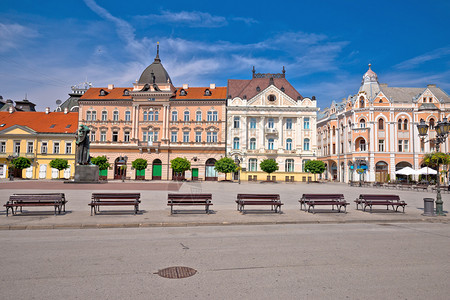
x=86 y=174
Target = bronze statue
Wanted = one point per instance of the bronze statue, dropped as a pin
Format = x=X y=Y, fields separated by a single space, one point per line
x=82 y=156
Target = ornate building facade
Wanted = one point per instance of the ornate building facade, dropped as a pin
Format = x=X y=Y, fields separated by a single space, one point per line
x=375 y=129
x=268 y=118
x=156 y=121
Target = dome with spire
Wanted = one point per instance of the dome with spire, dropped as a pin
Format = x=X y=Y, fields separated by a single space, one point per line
x=155 y=73
x=370 y=76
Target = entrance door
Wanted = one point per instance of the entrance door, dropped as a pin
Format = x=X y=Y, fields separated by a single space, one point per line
x=119 y=170
x=157 y=169
x=210 y=172
x=194 y=174
x=42 y=171
x=55 y=173
x=177 y=176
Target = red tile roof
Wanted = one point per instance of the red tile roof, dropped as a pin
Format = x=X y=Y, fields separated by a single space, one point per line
x=199 y=93
x=114 y=94
x=40 y=121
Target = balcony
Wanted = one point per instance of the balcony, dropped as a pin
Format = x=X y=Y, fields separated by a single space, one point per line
x=271 y=131
x=150 y=144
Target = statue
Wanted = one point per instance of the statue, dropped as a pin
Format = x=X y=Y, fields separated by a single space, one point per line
x=82 y=156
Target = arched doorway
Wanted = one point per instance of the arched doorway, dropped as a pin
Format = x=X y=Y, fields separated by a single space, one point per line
x=399 y=166
x=156 y=169
x=334 y=171
x=210 y=172
x=381 y=171
x=120 y=170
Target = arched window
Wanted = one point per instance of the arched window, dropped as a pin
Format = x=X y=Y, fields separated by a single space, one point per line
x=116 y=115
x=362 y=145
x=174 y=116
x=186 y=116
x=431 y=123
x=361 y=102
x=289 y=165
x=198 y=116
x=306 y=144
x=151 y=116
x=289 y=144
x=380 y=124
x=405 y=124
x=236 y=143
x=270 y=144
x=94 y=115
x=145 y=115
x=362 y=123
x=156 y=115
x=399 y=124
x=104 y=115
x=252 y=144
x=128 y=116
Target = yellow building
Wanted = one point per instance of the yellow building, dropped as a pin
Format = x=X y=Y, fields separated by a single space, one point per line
x=40 y=137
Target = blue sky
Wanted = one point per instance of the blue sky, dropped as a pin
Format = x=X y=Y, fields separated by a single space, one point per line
x=325 y=46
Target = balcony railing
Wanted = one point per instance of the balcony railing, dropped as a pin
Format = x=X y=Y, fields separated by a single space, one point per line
x=271 y=130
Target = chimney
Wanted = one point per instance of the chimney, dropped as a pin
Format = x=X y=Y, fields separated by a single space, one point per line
x=110 y=86
x=66 y=110
x=185 y=86
x=10 y=109
x=47 y=110
x=212 y=86
x=431 y=85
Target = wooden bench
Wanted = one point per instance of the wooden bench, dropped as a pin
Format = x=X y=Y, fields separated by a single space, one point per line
x=423 y=187
x=258 y=199
x=57 y=200
x=114 y=199
x=189 y=200
x=389 y=200
x=311 y=200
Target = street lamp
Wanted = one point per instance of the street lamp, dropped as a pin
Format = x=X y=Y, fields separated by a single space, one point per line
x=442 y=131
x=237 y=162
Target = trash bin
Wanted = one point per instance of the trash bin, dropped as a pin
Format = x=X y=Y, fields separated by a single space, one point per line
x=428 y=207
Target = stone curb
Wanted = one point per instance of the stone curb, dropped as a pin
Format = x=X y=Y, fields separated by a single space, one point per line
x=193 y=224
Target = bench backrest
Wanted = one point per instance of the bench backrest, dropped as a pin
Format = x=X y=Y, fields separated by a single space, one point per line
x=379 y=197
x=180 y=197
x=37 y=197
x=323 y=196
x=136 y=196
x=258 y=196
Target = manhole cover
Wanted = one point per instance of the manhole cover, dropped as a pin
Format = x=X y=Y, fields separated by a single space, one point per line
x=176 y=272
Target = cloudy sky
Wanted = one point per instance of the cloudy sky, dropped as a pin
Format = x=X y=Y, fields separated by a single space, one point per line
x=325 y=46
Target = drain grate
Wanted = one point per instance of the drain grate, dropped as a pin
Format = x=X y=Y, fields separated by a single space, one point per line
x=176 y=272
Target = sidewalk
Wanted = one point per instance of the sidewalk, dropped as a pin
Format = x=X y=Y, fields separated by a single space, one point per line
x=156 y=213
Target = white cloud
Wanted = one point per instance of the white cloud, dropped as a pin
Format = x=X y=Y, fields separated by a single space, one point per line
x=187 y=18
x=12 y=35
x=418 y=60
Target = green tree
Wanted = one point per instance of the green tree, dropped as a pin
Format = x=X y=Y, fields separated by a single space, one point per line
x=21 y=163
x=269 y=166
x=59 y=164
x=436 y=159
x=315 y=166
x=179 y=165
x=225 y=165
x=139 y=164
x=101 y=162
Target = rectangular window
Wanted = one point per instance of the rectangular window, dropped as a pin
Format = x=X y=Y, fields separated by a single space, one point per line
x=2 y=147
x=128 y=116
x=334 y=149
x=16 y=147
x=103 y=136
x=289 y=165
x=115 y=115
x=44 y=147
x=214 y=137
x=173 y=136
x=68 y=148
x=156 y=115
x=30 y=147
x=104 y=115
x=405 y=146
x=151 y=116
x=198 y=136
x=289 y=124
x=88 y=116
x=215 y=119
x=400 y=144
x=92 y=136
x=306 y=123
x=252 y=123
x=126 y=136
x=198 y=116
x=55 y=147
x=185 y=136
x=211 y=137
x=236 y=122
x=381 y=145
x=252 y=164
x=115 y=136
x=94 y=116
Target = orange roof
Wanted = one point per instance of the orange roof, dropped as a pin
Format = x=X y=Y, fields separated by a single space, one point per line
x=199 y=93
x=114 y=94
x=53 y=122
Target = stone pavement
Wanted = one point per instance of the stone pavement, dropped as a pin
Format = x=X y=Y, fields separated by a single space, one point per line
x=156 y=213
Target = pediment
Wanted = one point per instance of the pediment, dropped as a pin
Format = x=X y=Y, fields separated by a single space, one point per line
x=272 y=96
x=18 y=129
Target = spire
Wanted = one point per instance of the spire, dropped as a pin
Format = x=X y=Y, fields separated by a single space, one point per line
x=157 y=53
x=253 y=71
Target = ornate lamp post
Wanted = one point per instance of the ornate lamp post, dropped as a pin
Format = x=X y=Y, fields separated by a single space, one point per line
x=442 y=130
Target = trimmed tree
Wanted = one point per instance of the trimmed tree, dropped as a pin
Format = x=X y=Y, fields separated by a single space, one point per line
x=269 y=166
x=435 y=160
x=225 y=165
x=315 y=167
x=103 y=165
x=140 y=164
x=59 y=164
x=179 y=165
x=21 y=163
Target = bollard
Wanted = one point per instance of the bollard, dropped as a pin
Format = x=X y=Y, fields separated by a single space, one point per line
x=428 y=207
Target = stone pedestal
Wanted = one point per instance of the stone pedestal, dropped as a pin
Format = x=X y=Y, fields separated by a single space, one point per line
x=86 y=173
